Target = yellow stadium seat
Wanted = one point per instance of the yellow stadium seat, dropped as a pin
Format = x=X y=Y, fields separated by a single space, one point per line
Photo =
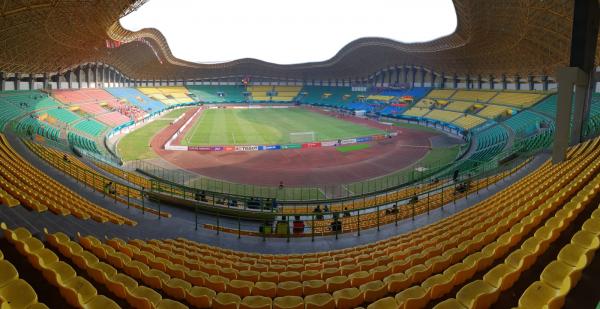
x=8 y=273
x=200 y=297
x=256 y=302
x=226 y=301
x=384 y=303
x=170 y=304
x=319 y=301
x=288 y=302
x=348 y=298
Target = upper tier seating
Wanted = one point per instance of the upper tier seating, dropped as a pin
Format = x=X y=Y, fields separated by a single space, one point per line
x=517 y=99
x=133 y=96
x=28 y=101
x=167 y=95
x=473 y=95
x=210 y=94
x=286 y=93
x=80 y=96
x=441 y=93
x=329 y=96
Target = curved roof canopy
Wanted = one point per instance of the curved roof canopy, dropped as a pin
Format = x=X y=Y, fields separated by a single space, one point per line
x=512 y=37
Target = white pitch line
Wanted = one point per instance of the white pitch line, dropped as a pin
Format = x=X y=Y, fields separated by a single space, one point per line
x=233 y=136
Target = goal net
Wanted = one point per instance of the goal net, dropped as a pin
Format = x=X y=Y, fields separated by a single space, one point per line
x=302 y=137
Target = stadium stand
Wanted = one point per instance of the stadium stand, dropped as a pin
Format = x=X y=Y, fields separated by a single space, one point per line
x=133 y=96
x=167 y=95
x=526 y=122
x=285 y=93
x=493 y=111
x=90 y=127
x=468 y=121
x=217 y=94
x=459 y=106
x=14 y=291
x=56 y=197
x=112 y=119
x=517 y=99
x=60 y=114
x=329 y=96
x=441 y=93
x=411 y=269
x=417 y=112
x=28 y=101
x=443 y=115
x=473 y=95
x=31 y=125
x=83 y=142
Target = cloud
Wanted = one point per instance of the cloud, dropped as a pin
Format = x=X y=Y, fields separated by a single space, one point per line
x=287 y=31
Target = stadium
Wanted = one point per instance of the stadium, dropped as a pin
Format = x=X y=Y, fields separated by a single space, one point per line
x=458 y=172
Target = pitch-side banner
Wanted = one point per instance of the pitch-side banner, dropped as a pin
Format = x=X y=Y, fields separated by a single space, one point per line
x=199 y=148
x=311 y=145
x=328 y=144
x=246 y=148
x=348 y=141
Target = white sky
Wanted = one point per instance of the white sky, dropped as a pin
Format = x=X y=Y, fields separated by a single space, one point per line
x=287 y=31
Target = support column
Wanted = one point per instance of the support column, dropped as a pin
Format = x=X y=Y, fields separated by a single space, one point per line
x=2 y=79
x=443 y=80
x=491 y=81
x=455 y=81
x=503 y=82
x=545 y=82
x=78 y=76
x=518 y=82
x=31 y=81
x=531 y=82
x=479 y=82
x=567 y=77
x=45 y=81
x=17 y=81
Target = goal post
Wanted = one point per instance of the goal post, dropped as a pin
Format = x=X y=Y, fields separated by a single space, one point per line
x=302 y=137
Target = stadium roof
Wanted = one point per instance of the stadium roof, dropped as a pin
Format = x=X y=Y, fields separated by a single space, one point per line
x=511 y=37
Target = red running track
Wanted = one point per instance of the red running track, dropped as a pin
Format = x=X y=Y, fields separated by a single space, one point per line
x=302 y=167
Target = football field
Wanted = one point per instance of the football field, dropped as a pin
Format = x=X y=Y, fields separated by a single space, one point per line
x=269 y=126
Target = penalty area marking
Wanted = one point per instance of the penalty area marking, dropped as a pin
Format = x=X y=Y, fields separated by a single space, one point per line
x=348 y=190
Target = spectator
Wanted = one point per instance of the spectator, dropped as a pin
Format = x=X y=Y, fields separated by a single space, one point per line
x=65 y=158
x=346 y=212
x=281 y=185
x=298 y=225
x=336 y=225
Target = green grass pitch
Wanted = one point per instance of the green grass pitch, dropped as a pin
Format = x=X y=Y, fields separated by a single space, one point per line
x=136 y=145
x=268 y=126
